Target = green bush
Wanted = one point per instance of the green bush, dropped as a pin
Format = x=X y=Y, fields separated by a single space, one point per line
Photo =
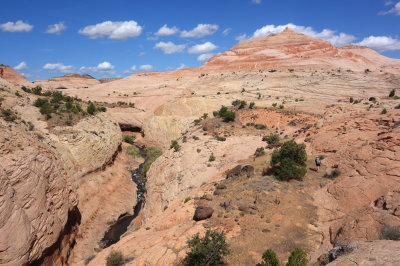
x=151 y=153
x=37 y=90
x=116 y=258
x=175 y=145
x=8 y=115
x=128 y=139
x=269 y=258
x=273 y=138
x=251 y=106
x=351 y=100
x=259 y=152
x=207 y=250
x=197 y=121
x=297 y=258
x=91 y=108
x=384 y=111
x=242 y=104
x=236 y=103
x=133 y=151
x=40 y=102
x=392 y=93
x=289 y=162
x=274 y=104
x=212 y=157
x=187 y=199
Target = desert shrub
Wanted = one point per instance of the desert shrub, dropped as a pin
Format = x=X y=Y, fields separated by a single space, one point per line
x=274 y=104
x=332 y=175
x=351 y=100
x=184 y=139
x=128 y=139
x=30 y=126
x=366 y=71
x=37 y=90
x=17 y=94
x=289 y=162
x=281 y=106
x=133 y=151
x=392 y=93
x=273 y=138
x=175 y=145
x=390 y=232
x=397 y=106
x=116 y=258
x=215 y=113
x=46 y=109
x=236 y=103
x=228 y=116
x=384 y=111
x=197 y=121
x=68 y=105
x=372 y=99
x=251 y=105
x=40 y=102
x=187 y=199
x=298 y=257
x=151 y=153
x=91 y=108
x=207 y=250
x=259 y=152
x=242 y=104
x=260 y=126
x=212 y=157
x=25 y=89
x=102 y=109
x=8 y=115
x=204 y=116
x=269 y=258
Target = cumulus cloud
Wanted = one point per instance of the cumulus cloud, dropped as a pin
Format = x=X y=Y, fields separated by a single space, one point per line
x=226 y=31
x=116 y=30
x=21 y=66
x=146 y=67
x=105 y=68
x=336 y=39
x=204 y=57
x=18 y=26
x=200 y=30
x=59 y=67
x=131 y=69
x=395 y=10
x=142 y=53
x=56 y=28
x=170 y=47
x=381 y=43
x=256 y=1
x=242 y=37
x=165 y=31
x=202 y=48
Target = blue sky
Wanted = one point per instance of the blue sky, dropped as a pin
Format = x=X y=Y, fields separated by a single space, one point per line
x=44 y=38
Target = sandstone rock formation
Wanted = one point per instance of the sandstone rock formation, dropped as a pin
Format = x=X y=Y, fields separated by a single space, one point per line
x=9 y=74
x=68 y=81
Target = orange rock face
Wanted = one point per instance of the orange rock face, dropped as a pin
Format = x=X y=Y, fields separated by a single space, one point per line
x=10 y=75
x=295 y=50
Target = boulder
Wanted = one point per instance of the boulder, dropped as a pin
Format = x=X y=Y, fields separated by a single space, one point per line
x=203 y=213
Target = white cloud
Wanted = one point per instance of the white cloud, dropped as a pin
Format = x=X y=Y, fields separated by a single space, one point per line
x=116 y=30
x=131 y=69
x=256 y=1
x=181 y=66
x=395 y=10
x=204 y=57
x=142 y=53
x=21 y=66
x=146 y=67
x=200 y=31
x=59 y=67
x=170 y=47
x=226 y=31
x=242 y=37
x=381 y=43
x=388 y=3
x=18 y=26
x=56 y=28
x=202 y=48
x=165 y=31
x=104 y=68
x=326 y=34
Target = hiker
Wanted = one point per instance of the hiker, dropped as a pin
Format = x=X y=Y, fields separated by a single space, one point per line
x=317 y=162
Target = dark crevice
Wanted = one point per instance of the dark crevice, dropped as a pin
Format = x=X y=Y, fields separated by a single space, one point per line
x=65 y=242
